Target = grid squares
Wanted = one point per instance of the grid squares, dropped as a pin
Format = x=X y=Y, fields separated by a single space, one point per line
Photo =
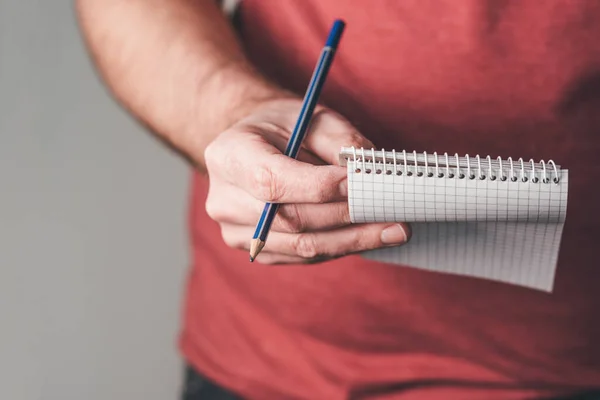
x=499 y=230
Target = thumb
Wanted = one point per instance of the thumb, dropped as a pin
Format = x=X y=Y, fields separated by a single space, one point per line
x=329 y=132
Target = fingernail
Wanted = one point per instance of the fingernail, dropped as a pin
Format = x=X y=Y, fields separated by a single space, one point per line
x=394 y=234
x=344 y=187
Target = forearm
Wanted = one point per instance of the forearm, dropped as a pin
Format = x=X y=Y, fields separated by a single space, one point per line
x=176 y=65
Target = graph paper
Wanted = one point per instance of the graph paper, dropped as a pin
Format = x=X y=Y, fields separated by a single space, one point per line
x=488 y=219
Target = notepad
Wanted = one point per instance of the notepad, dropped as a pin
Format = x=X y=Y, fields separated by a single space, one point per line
x=482 y=217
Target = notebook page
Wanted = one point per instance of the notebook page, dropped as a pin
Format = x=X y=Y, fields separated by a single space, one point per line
x=493 y=229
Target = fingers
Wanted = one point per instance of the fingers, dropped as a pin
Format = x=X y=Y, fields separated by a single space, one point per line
x=228 y=204
x=298 y=218
x=246 y=168
x=266 y=257
x=322 y=245
x=280 y=142
x=270 y=176
x=282 y=259
x=329 y=132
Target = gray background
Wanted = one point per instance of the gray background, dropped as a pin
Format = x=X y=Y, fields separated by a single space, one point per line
x=92 y=234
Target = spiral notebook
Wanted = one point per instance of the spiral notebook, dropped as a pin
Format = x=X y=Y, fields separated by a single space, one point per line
x=482 y=217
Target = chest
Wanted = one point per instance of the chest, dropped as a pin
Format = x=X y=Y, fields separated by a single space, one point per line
x=500 y=78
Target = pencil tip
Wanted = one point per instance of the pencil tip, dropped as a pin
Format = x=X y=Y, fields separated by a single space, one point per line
x=255 y=247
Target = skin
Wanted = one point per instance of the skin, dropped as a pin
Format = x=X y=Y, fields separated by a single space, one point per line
x=177 y=67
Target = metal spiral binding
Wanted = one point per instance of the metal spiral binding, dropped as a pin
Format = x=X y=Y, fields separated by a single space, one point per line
x=434 y=165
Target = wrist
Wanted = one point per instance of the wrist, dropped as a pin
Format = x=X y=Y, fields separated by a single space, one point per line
x=244 y=91
x=229 y=95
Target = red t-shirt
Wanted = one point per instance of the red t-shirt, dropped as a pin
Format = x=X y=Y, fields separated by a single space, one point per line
x=510 y=78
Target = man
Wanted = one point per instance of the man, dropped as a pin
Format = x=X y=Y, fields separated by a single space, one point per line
x=510 y=78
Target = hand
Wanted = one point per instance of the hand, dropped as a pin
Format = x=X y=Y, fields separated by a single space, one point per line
x=246 y=168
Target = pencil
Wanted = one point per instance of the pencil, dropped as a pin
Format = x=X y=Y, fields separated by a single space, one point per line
x=309 y=103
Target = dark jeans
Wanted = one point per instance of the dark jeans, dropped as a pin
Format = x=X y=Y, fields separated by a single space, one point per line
x=197 y=387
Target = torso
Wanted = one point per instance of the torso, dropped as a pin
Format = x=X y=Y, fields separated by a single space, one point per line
x=510 y=78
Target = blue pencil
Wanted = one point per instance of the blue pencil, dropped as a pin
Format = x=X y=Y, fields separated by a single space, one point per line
x=309 y=103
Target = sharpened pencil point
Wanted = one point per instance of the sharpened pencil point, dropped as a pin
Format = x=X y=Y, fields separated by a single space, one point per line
x=256 y=245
